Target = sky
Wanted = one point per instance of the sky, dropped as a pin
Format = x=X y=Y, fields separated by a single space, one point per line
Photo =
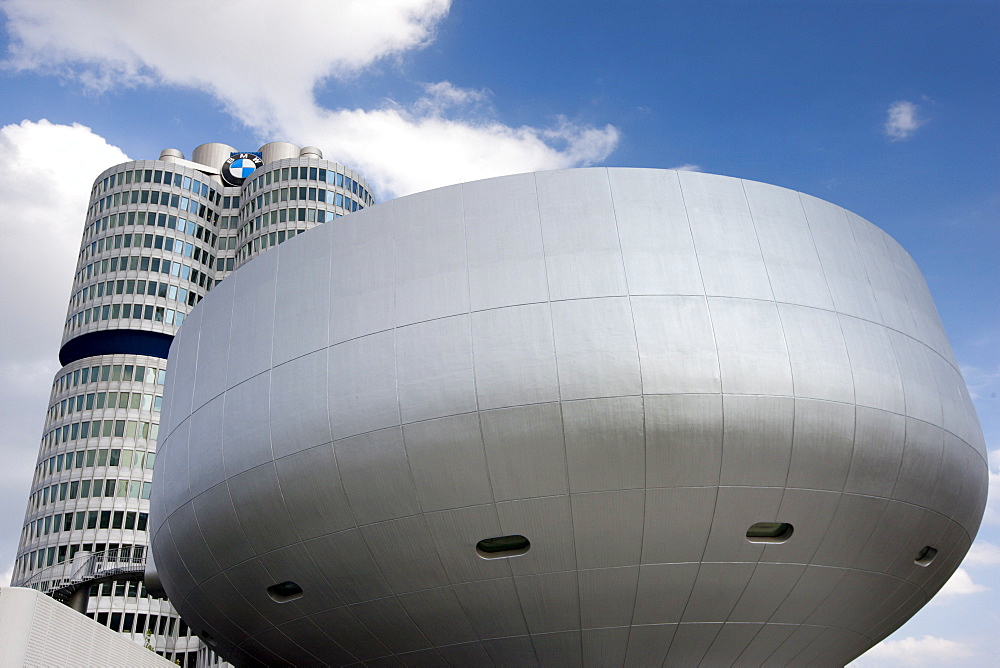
x=889 y=109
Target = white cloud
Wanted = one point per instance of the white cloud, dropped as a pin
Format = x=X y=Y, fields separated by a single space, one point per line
x=928 y=650
x=445 y=137
x=902 y=120
x=45 y=180
x=687 y=167
x=983 y=553
x=961 y=584
x=408 y=150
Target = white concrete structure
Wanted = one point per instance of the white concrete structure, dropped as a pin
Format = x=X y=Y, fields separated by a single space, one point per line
x=586 y=417
x=158 y=235
x=37 y=632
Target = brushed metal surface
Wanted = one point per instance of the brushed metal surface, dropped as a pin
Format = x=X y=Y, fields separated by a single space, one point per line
x=628 y=367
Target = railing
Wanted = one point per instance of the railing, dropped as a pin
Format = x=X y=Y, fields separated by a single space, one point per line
x=92 y=568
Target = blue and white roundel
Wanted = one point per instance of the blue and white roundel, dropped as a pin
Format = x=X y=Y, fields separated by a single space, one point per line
x=242 y=168
x=239 y=167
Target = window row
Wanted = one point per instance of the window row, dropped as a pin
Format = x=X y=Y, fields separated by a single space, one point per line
x=86 y=519
x=155 y=197
x=155 y=176
x=99 y=429
x=134 y=286
x=167 y=316
x=312 y=174
x=109 y=372
x=286 y=216
x=301 y=193
x=91 y=489
x=153 y=219
x=100 y=400
x=121 y=457
x=152 y=241
x=143 y=263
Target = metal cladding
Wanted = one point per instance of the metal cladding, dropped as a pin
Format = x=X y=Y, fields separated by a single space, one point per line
x=582 y=417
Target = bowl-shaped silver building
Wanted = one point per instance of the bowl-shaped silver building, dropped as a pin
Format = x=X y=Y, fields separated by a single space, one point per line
x=704 y=420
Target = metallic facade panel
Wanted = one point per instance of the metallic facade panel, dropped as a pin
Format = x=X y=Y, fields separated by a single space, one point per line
x=756 y=440
x=882 y=275
x=877 y=380
x=822 y=444
x=310 y=491
x=608 y=528
x=821 y=368
x=252 y=330
x=842 y=263
x=604 y=647
x=362 y=385
x=607 y=596
x=677 y=352
x=376 y=476
x=629 y=368
x=304 y=305
x=299 y=381
x=406 y=547
x=604 y=443
x=265 y=521
x=525 y=451
x=347 y=563
x=583 y=256
x=504 y=242
x=514 y=356
x=362 y=298
x=455 y=534
x=683 y=439
x=217 y=518
x=767 y=588
x=439 y=616
x=548 y=523
x=248 y=438
x=878 y=451
x=448 y=462
x=793 y=268
x=492 y=607
x=753 y=356
x=724 y=237
x=676 y=524
x=595 y=348
x=654 y=233
x=431 y=270
x=663 y=592
x=216 y=324
x=434 y=369
x=205 y=464
x=550 y=601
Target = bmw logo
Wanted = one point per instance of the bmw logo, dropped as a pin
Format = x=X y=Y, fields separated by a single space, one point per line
x=239 y=167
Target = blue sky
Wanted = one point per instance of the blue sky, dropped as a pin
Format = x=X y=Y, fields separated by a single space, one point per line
x=889 y=109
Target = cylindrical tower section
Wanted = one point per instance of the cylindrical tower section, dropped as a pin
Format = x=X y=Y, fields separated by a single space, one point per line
x=147 y=257
x=290 y=196
x=278 y=150
x=212 y=154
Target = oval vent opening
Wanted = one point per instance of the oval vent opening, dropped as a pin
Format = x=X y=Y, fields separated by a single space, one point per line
x=925 y=556
x=283 y=592
x=502 y=547
x=769 y=532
